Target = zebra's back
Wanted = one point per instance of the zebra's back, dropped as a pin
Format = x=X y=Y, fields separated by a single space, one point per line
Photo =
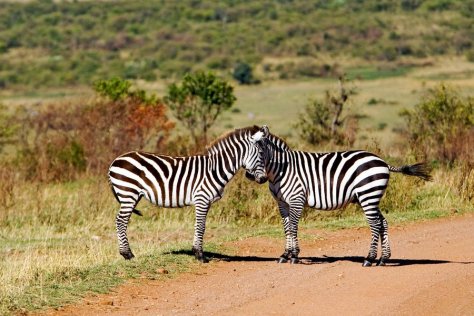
x=163 y=180
x=332 y=180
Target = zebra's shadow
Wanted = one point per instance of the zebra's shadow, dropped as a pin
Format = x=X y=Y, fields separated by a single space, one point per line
x=214 y=256
x=390 y=262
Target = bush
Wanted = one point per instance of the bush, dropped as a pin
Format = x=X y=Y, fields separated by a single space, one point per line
x=322 y=121
x=64 y=141
x=243 y=74
x=442 y=125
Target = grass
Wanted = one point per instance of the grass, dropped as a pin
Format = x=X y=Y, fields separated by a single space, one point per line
x=373 y=73
x=58 y=241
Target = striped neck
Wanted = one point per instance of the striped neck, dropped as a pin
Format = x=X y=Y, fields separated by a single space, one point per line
x=226 y=156
x=277 y=161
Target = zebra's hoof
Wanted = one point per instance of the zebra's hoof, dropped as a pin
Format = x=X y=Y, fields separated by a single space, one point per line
x=282 y=260
x=127 y=255
x=199 y=254
x=381 y=262
x=367 y=263
x=294 y=260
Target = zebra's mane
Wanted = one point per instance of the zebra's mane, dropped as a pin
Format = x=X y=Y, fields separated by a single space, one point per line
x=239 y=131
x=278 y=143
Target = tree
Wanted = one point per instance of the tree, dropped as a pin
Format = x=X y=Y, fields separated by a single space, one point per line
x=243 y=74
x=322 y=121
x=198 y=101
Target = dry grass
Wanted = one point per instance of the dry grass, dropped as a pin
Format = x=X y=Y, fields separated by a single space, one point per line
x=58 y=241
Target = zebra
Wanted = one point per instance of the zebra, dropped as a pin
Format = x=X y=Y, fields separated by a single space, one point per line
x=329 y=181
x=182 y=181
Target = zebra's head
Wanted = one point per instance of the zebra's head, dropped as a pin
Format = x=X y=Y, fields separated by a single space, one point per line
x=254 y=163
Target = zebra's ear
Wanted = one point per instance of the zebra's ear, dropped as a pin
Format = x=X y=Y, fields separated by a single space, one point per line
x=258 y=136
x=265 y=131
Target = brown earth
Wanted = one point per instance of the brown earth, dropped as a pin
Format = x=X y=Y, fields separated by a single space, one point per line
x=431 y=273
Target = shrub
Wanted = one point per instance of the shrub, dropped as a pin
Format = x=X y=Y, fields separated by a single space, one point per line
x=64 y=141
x=442 y=125
x=243 y=74
x=323 y=121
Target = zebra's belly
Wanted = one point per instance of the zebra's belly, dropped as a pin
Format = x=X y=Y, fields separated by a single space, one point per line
x=327 y=206
x=327 y=202
x=169 y=201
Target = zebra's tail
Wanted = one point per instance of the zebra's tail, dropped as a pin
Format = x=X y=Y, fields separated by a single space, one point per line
x=137 y=212
x=420 y=170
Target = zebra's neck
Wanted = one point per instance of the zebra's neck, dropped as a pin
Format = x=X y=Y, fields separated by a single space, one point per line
x=277 y=165
x=223 y=162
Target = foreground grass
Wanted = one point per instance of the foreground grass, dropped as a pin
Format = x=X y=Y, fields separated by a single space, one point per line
x=58 y=243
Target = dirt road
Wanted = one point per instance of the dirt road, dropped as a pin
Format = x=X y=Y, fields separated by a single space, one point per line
x=431 y=273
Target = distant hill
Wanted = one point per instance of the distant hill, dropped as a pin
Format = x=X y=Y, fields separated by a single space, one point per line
x=46 y=43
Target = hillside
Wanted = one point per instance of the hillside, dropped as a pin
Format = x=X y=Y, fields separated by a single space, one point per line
x=56 y=44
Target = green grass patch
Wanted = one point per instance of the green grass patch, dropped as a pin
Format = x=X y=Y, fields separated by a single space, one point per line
x=373 y=73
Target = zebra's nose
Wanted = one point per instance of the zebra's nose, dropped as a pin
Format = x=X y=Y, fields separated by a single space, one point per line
x=261 y=180
x=250 y=176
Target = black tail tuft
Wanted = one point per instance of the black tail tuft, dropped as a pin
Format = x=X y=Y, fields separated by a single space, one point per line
x=420 y=170
x=137 y=212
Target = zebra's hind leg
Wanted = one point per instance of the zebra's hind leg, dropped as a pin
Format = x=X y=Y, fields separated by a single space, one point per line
x=386 y=252
x=373 y=217
x=199 y=230
x=121 y=223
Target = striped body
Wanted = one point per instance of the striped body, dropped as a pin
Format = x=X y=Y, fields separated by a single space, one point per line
x=162 y=180
x=329 y=181
x=180 y=181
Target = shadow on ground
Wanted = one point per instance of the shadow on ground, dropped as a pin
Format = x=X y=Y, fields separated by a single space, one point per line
x=315 y=260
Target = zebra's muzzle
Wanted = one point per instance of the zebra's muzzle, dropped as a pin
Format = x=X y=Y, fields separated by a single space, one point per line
x=250 y=176
x=259 y=180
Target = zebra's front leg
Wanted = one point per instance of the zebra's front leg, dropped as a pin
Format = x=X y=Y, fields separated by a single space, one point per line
x=386 y=252
x=375 y=223
x=121 y=223
x=285 y=217
x=199 y=230
x=295 y=214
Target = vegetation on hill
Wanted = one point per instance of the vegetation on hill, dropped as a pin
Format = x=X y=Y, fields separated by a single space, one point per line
x=49 y=43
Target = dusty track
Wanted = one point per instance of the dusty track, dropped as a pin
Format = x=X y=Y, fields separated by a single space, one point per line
x=431 y=273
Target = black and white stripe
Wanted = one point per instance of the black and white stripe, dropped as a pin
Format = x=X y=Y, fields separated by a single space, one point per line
x=329 y=181
x=181 y=181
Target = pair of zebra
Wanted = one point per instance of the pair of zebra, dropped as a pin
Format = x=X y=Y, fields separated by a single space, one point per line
x=323 y=181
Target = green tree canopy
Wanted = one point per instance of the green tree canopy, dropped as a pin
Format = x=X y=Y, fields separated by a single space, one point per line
x=198 y=101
